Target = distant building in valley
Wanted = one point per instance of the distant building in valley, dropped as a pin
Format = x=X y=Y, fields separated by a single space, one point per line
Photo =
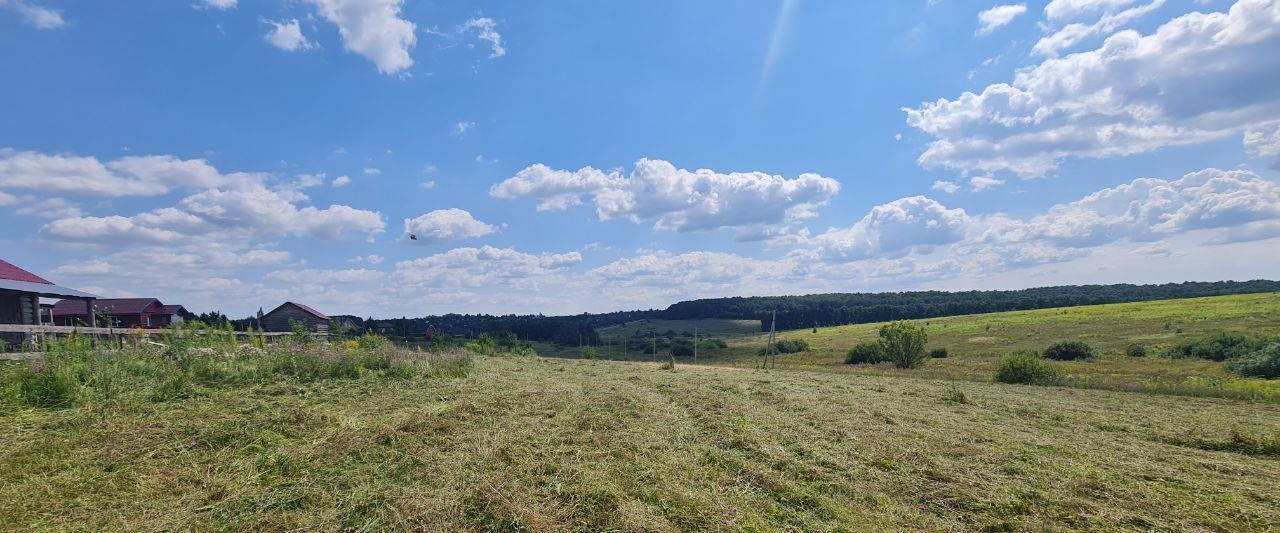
x=281 y=318
x=145 y=313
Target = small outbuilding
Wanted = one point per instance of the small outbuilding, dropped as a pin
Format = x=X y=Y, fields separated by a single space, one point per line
x=281 y=319
x=172 y=314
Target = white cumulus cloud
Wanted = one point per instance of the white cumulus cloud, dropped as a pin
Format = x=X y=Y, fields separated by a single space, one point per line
x=486 y=266
x=219 y=4
x=128 y=176
x=446 y=225
x=1072 y=34
x=287 y=35
x=990 y=20
x=374 y=29
x=1198 y=77
x=37 y=16
x=678 y=199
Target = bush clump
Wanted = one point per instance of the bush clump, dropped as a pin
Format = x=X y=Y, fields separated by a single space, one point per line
x=865 y=353
x=903 y=344
x=1136 y=350
x=1025 y=368
x=938 y=353
x=1217 y=347
x=1070 y=351
x=1264 y=363
x=786 y=346
x=712 y=344
x=792 y=346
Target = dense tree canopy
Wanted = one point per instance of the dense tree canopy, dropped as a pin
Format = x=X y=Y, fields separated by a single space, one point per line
x=795 y=312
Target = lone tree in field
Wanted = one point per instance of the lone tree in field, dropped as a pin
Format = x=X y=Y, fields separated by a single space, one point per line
x=903 y=344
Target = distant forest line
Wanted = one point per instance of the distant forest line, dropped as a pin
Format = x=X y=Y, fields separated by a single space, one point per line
x=838 y=309
x=796 y=312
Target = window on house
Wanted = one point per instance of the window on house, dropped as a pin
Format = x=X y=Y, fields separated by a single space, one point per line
x=148 y=320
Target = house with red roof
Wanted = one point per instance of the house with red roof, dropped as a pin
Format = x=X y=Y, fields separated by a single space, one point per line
x=20 y=294
x=145 y=313
x=281 y=319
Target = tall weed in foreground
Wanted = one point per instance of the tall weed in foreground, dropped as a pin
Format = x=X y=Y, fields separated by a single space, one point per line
x=199 y=361
x=44 y=385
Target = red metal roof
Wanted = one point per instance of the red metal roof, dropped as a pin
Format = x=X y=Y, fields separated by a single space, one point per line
x=107 y=306
x=170 y=309
x=8 y=271
x=309 y=310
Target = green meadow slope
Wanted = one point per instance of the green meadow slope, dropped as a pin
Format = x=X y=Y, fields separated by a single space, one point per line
x=977 y=343
x=558 y=444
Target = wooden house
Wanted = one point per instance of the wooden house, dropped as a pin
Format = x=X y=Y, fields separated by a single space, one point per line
x=145 y=313
x=20 y=293
x=281 y=318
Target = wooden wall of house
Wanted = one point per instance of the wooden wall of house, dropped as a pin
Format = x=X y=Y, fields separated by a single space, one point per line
x=17 y=308
x=278 y=320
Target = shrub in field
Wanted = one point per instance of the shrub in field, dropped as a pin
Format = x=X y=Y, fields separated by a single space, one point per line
x=786 y=346
x=1136 y=350
x=1069 y=351
x=588 y=352
x=1264 y=363
x=712 y=344
x=792 y=346
x=301 y=334
x=865 y=353
x=1026 y=369
x=903 y=344
x=938 y=353
x=1217 y=347
x=682 y=347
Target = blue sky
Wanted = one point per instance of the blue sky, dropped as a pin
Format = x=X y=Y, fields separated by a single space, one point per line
x=594 y=156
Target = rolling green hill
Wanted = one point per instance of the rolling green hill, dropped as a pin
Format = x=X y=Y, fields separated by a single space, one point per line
x=977 y=343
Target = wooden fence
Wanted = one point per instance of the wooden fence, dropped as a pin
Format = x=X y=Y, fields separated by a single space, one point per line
x=67 y=330
x=109 y=336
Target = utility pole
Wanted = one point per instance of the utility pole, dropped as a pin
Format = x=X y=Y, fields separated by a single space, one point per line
x=655 y=346
x=770 y=349
x=695 y=345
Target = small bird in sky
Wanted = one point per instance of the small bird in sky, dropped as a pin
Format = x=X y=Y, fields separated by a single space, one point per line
x=413 y=237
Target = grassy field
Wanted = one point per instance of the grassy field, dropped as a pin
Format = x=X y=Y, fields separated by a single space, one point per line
x=556 y=444
x=976 y=344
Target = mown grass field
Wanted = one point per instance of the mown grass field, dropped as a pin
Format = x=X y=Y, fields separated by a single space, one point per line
x=557 y=444
x=977 y=343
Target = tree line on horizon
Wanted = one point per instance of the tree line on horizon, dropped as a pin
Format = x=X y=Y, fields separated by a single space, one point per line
x=793 y=312
x=838 y=309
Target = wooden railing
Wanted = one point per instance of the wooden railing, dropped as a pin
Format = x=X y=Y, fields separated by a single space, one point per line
x=112 y=337
x=67 y=330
